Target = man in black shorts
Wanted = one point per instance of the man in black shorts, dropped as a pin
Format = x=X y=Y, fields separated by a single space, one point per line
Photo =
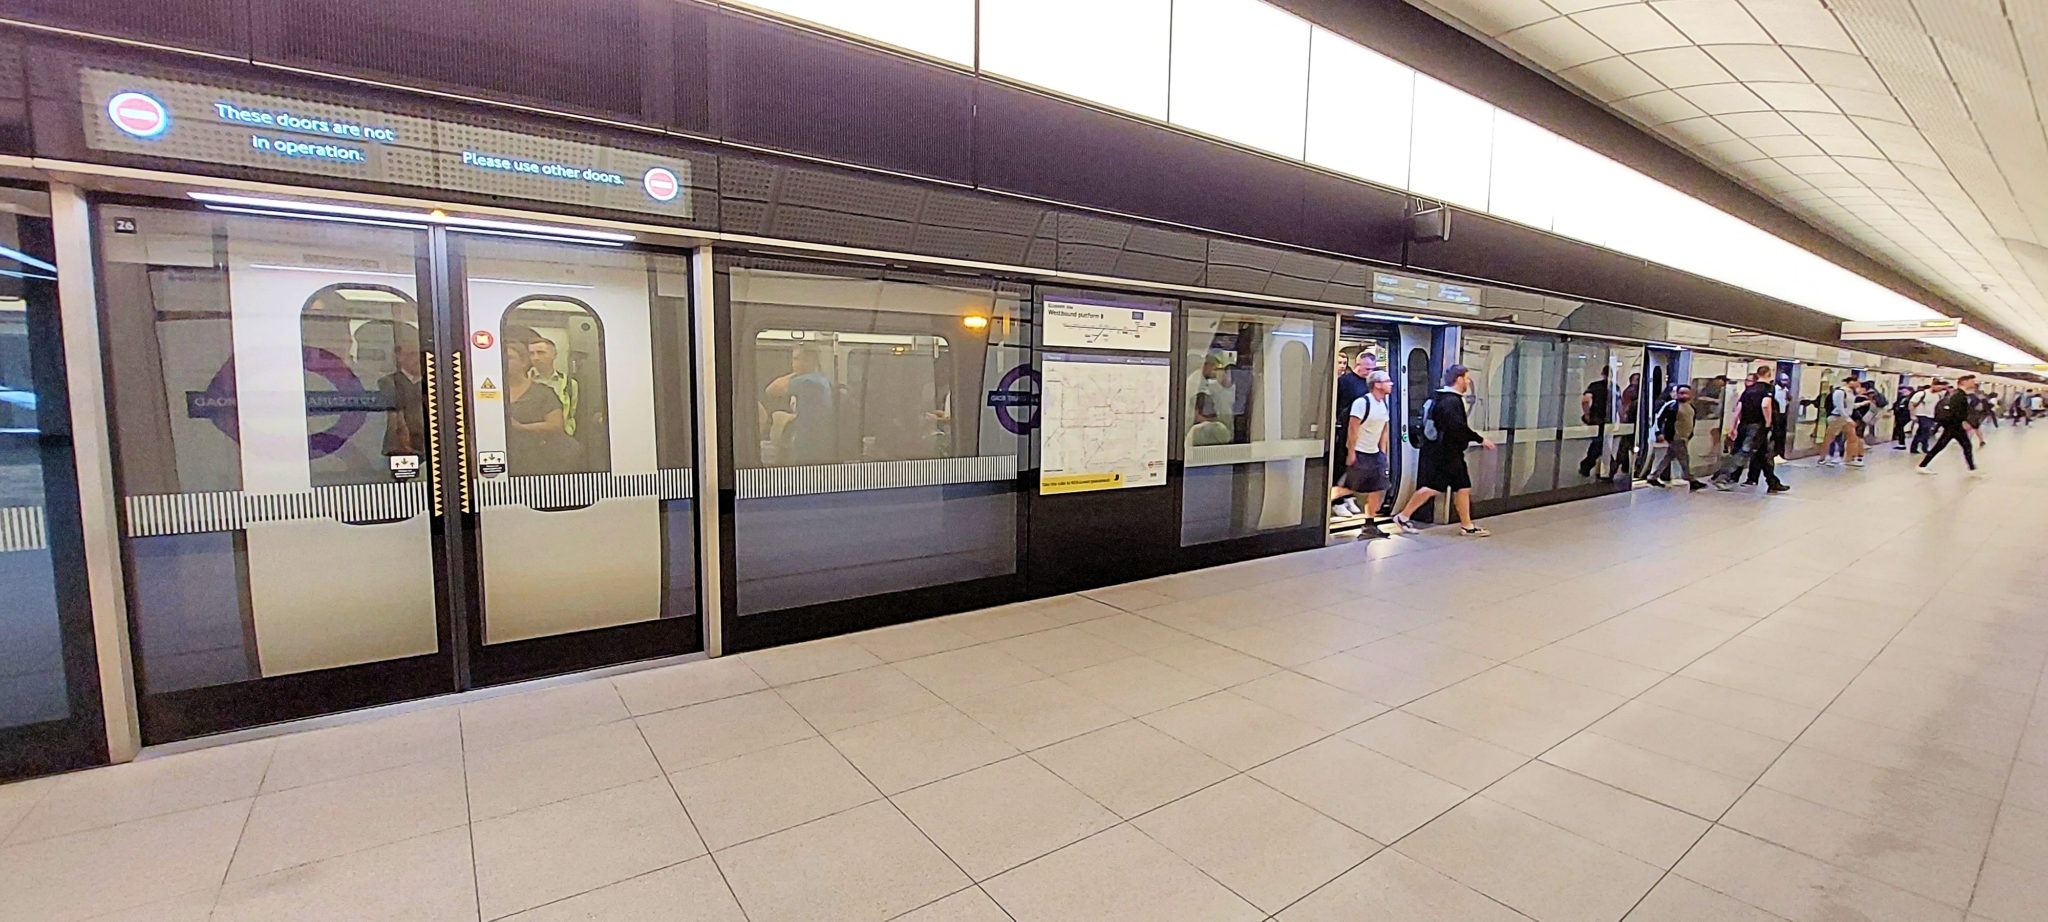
x=1368 y=438
x=1352 y=372
x=1440 y=465
x=1757 y=411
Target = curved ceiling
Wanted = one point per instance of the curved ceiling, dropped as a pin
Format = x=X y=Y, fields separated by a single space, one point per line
x=1911 y=129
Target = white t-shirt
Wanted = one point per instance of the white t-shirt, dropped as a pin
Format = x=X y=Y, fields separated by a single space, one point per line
x=1372 y=415
x=1922 y=403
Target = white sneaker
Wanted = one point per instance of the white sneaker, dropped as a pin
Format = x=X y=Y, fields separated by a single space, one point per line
x=1406 y=525
x=1927 y=470
x=1474 y=531
x=1856 y=463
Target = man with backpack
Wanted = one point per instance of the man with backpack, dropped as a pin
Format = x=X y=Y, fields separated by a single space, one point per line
x=1442 y=440
x=1845 y=406
x=1902 y=416
x=1953 y=416
x=1922 y=408
x=1674 y=433
x=1757 y=410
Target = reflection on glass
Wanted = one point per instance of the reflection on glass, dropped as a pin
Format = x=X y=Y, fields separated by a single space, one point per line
x=881 y=422
x=33 y=686
x=1540 y=399
x=360 y=348
x=1491 y=406
x=1252 y=421
x=589 y=525
x=844 y=396
x=267 y=358
x=555 y=419
x=1714 y=394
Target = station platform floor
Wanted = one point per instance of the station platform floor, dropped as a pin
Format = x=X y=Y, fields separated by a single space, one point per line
x=1655 y=706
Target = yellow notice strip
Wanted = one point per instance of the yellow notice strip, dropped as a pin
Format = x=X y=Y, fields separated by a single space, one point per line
x=1079 y=483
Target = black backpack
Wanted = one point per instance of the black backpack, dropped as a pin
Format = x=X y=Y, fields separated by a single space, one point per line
x=1666 y=419
x=1426 y=431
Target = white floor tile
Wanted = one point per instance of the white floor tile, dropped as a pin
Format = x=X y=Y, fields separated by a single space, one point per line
x=1131 y=767
x=1360 y=788
x=562 y=849
x=865 y=865
x=685 y=684
x=768 y=791
x=150 y=787
x=545 y=770
x=854 y=698
x=317 y=821
x=1542 y=871
x=361 y=748
x=995 y=818
x=1233 y=729
x=903 y=752
x=1398 y=889
x=692 y=890
x=718 y=730
x=1266 y=847
x=427 y=879
x=83 y=874
x=1120 y=874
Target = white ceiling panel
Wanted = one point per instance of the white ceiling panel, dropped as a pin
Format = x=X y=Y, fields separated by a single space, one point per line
x=1911 y=129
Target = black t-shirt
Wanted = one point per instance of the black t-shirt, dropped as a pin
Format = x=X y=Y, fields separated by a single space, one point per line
x=1350 y=387
x=1753 y=398
x=1597 y=413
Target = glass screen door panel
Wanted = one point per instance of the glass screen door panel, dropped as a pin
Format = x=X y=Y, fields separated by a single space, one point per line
x=50 y=715
x=1255 y=444
x=580 y=438
x=269 y=396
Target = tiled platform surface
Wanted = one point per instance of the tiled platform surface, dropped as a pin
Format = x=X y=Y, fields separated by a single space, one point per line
x=1654 y=707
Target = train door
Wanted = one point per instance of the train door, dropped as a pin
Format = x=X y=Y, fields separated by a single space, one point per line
x=267 y=382
x=579 y=449
x=1377 y=342
x=337 y=489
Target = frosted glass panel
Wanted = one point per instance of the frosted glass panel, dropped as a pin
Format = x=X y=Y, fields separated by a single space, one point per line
x=1240 y=72
x=1525 y=186
x=1111 y=52
x=1453 y=145
x=940 y=28
x=1359 y=104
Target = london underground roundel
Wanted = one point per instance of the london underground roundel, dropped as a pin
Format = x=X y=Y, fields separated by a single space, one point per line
x=138 y=115
x=661 y=184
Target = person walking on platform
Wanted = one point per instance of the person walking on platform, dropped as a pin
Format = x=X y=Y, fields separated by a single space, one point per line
x=1757 y=411
x=1674 y=434
x=1367 y=438
x=1924 y=402
x=1953 y=416
x=1847 y=399
x=1352 y=375
x=1442 y=439
x=1902 y=416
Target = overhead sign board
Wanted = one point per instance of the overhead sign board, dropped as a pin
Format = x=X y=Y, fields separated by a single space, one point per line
x=1942 y=328
x=1091 y=325
x=159 y=117
x=2005 y=369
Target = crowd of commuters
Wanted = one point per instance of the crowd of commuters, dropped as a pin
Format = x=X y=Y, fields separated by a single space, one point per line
x=1850 y=412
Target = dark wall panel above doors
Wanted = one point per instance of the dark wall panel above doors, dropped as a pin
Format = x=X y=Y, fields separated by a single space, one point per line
x=792 y=90
x=629 y=60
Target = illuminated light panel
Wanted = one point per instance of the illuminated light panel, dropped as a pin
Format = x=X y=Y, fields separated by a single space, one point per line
x=1239 y=70
x=1110 y=53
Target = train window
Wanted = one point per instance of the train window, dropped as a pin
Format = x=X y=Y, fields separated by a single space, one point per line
x=1252 y=414
x=832 y=396
x=555 y=408
x=881 y=421
x=365 y=388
